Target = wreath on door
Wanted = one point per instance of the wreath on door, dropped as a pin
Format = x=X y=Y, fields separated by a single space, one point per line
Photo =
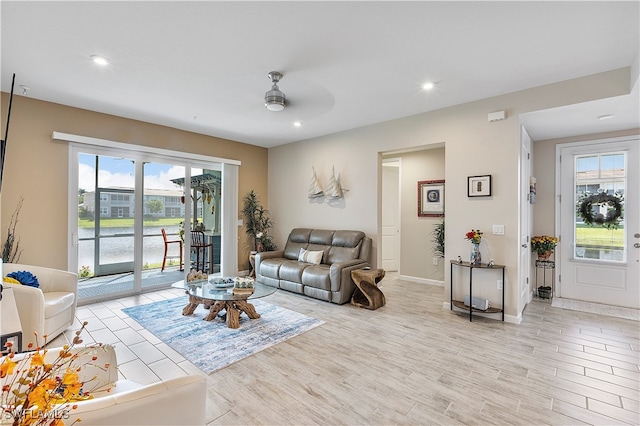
x=593 y=217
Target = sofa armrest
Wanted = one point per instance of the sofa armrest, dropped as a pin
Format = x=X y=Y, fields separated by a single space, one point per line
x=263 y=255
x=340 y=273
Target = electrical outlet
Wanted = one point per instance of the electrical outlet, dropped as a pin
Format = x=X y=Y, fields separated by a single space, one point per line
x=499 y=282
x=435 y=261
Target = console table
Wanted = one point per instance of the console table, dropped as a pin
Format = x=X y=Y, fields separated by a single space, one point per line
x=484 y=267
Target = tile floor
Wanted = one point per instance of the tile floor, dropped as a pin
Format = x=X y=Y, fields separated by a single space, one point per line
x=411 y=362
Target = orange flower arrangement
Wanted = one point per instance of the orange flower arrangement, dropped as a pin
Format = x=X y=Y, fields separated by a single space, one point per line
x=35 y=392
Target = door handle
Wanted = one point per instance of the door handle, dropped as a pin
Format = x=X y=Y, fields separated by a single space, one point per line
x=524 y=245
x=637 y=235
x=637 y=245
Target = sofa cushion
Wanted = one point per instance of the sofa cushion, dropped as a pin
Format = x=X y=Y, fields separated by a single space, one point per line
x=342 y=254
x=347 y=238
x=292 y=271
x=56 y=302
x=321 y=237
x=308 y=256
x=317 y=276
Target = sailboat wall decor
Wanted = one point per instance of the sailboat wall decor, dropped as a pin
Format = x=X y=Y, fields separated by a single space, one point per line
x=335 y=189
x=315 y=189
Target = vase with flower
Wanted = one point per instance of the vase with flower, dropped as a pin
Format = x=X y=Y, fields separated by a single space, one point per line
x=543 y=245
x=475 y=236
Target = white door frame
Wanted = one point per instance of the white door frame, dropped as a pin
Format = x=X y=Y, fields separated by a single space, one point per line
x=524 y=287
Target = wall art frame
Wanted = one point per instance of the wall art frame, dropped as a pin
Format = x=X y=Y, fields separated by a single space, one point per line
x=479 y=186
x=431 y=198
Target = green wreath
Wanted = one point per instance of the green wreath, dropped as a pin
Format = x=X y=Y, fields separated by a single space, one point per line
x=614 y=209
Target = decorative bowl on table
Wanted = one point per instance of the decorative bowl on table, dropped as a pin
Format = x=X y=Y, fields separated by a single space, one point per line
x=219 y=282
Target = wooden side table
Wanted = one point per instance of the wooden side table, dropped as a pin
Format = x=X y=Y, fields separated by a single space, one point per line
x=252 y=263
x=367 y=294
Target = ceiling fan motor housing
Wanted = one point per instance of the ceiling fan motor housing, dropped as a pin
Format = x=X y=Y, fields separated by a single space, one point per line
x=274 y=99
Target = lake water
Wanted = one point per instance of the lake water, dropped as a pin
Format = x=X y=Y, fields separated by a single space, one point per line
x=119 y=249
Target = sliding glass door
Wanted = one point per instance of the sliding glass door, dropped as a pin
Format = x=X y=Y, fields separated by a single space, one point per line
x=124 y=205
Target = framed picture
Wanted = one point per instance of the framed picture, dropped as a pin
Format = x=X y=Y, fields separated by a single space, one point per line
x=479 y=186
x=431 y=198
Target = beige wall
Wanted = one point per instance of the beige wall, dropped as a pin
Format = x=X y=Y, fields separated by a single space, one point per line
x=37 y=168
x=474 y=146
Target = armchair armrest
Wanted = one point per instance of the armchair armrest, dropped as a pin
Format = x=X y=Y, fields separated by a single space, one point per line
x=181 y=400
x=30 y=304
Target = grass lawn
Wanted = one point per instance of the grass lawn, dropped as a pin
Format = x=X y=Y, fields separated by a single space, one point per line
x=126 y=222
x=601 y=237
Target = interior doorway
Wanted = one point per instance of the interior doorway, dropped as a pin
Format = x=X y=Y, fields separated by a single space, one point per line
x=391 y=205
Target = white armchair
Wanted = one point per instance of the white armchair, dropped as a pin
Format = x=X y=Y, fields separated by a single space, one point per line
x=177 y=401
x=48 y=310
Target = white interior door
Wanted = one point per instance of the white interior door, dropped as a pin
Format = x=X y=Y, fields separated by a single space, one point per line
x=390 y=214
x=598 y=264
x=525 y=221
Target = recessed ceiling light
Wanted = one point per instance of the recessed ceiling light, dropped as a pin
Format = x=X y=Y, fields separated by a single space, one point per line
x=605 y=117
x=429 y=85
x=100 y=60
x=297 y=124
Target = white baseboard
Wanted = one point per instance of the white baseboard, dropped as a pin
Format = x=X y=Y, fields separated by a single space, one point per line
x=421 y=280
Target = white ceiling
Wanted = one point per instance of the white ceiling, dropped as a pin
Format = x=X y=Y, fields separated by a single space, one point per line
x=202 y=66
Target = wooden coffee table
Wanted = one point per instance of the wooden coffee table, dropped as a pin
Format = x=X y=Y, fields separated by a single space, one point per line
x=218 y=299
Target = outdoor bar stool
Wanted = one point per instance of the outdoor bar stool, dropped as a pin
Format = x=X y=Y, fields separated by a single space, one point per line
x=166 y=249
x=199 y=248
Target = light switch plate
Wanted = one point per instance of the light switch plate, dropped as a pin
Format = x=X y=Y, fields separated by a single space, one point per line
x=498 y=229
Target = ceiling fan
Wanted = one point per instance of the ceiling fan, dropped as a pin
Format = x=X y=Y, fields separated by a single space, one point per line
x=274 y=99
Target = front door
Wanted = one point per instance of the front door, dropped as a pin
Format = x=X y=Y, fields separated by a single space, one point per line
x=601 y=262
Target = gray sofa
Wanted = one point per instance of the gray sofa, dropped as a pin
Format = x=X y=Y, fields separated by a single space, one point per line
x=330 y=279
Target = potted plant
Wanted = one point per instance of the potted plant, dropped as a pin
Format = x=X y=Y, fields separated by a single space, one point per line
x=438 y=240
x=257 y=223
x=543 y=245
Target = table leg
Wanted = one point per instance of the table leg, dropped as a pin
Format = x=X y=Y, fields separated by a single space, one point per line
x=191 y=306
x=247 y=308
x=214 y=309
x=233 y=316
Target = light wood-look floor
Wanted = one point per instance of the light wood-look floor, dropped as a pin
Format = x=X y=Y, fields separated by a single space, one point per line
x=409 y=363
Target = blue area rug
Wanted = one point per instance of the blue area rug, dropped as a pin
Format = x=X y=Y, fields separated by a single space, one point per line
x=211 y=345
